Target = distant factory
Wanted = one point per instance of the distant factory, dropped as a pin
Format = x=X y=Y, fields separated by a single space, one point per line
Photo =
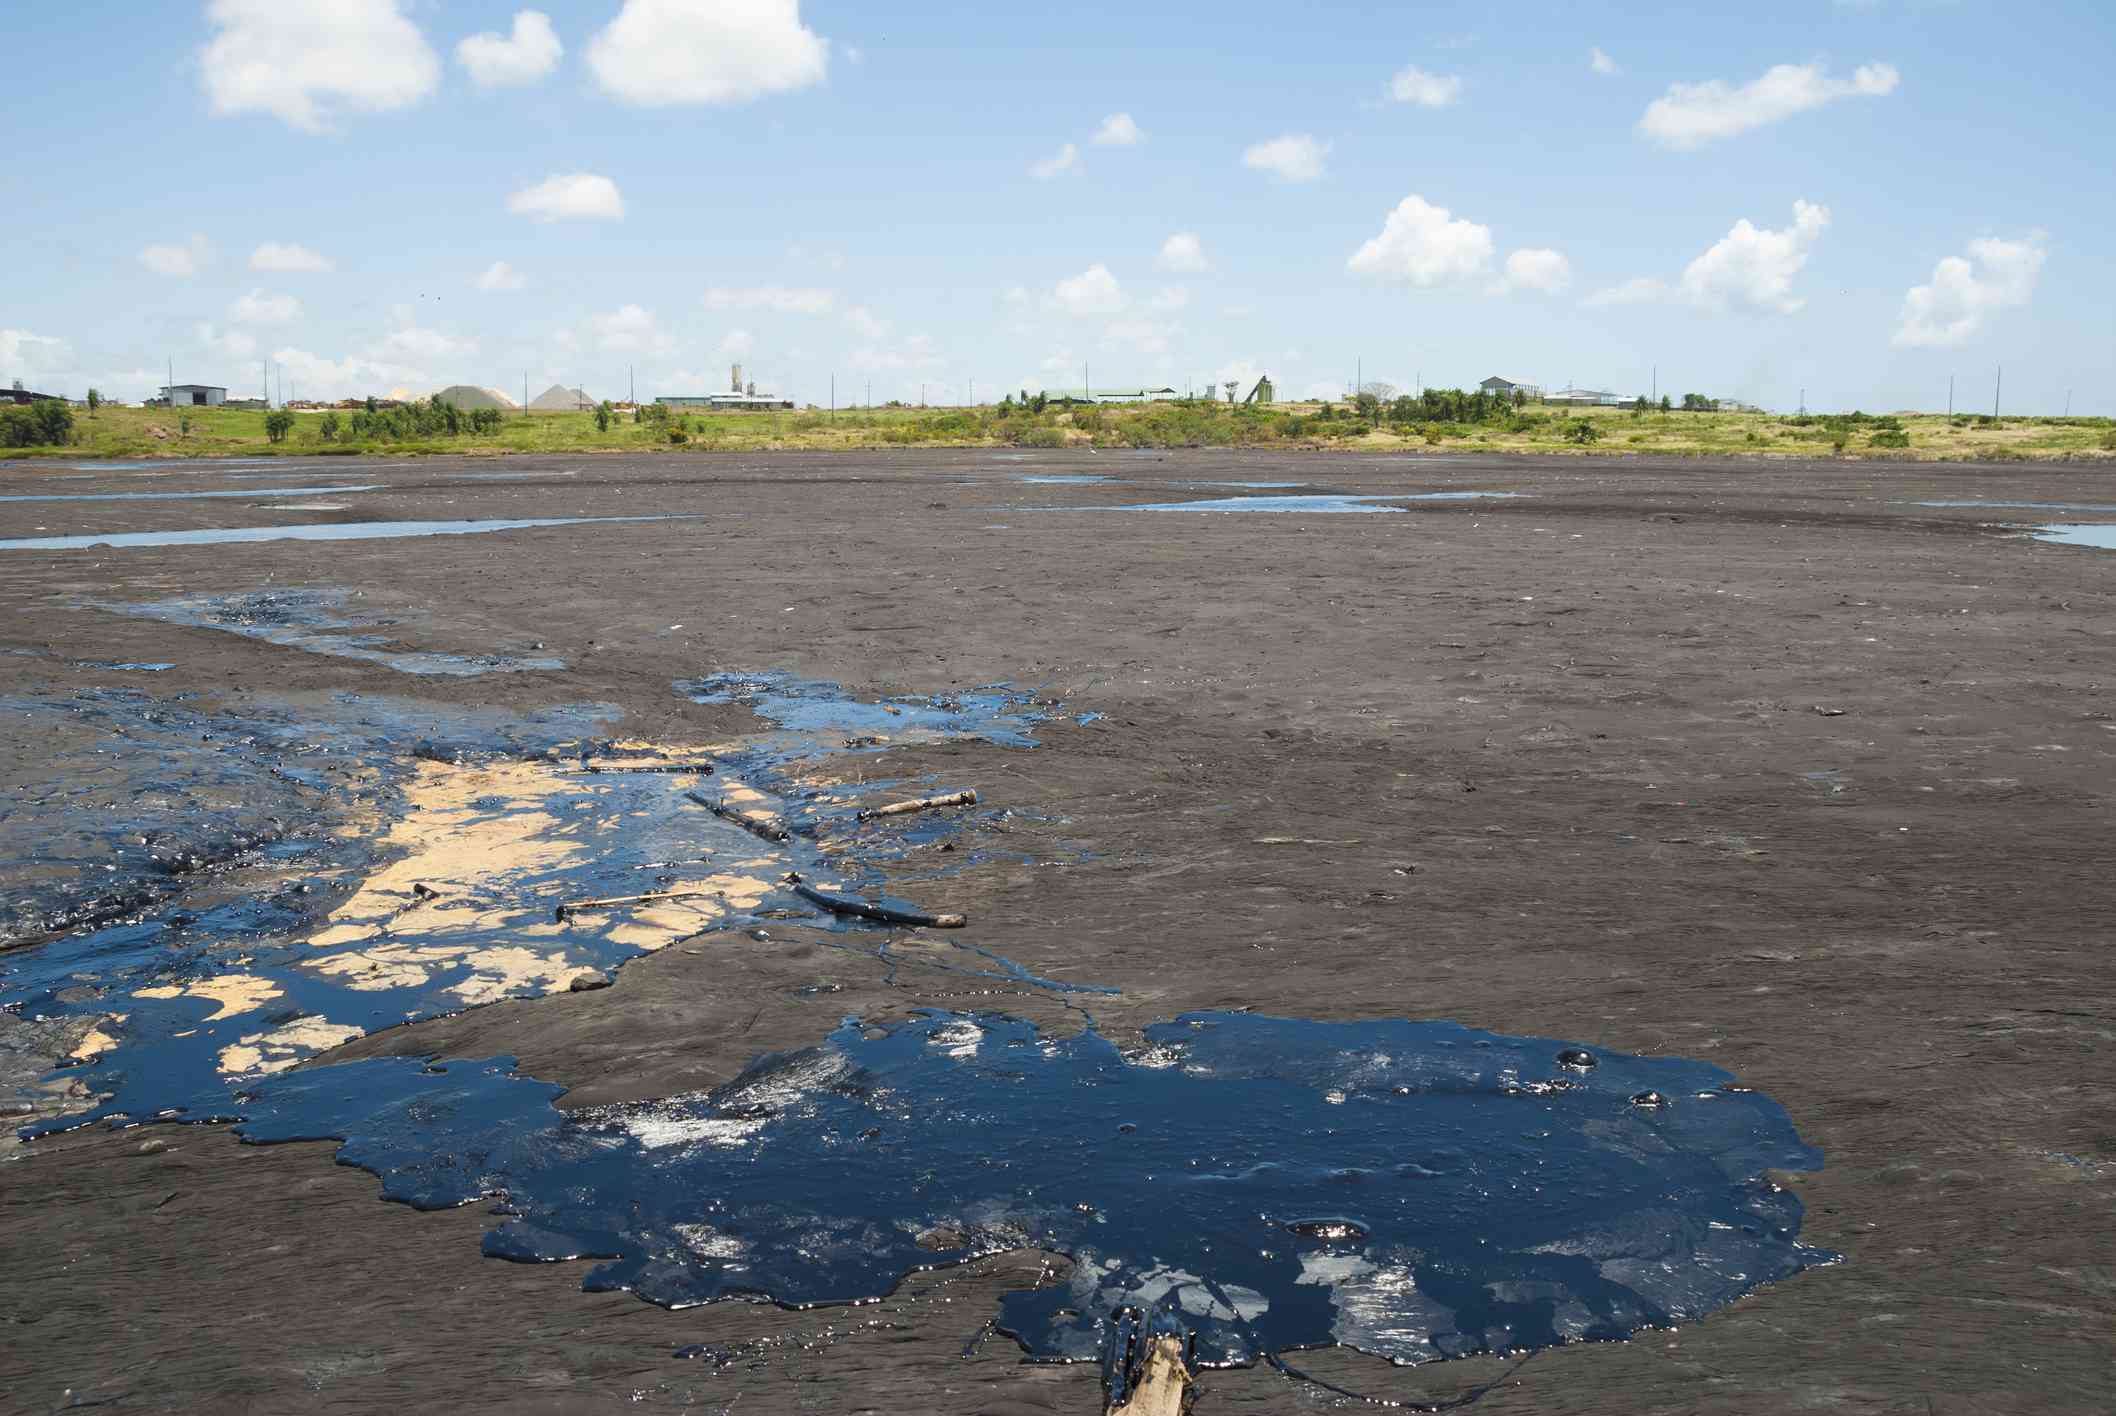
x=740 y=398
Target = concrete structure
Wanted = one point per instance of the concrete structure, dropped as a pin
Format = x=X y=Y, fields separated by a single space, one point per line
x=19 y=394
x=1510 y=387
x=193 y=396
x=560 y=399
x=469 y=396
x=1263 y=393
x=1587 y=398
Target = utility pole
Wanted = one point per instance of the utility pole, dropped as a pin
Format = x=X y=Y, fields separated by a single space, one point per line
x=2068 y=403
x=631 y=387
x=1359 y=376
x=1084 y=395
x=525 y=393
x=267 y=366
x=1803 y=403
x=1656 y=383
x=870 y=393
x=1950 y=395
x=833 y=395
x=1998 y=388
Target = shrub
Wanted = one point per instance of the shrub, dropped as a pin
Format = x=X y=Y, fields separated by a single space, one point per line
x=678 y=437
x=1837 y=445
x=95 y=400
x=278 y=424
x=1886 y=438
x=2108 y=441
x=1582 y=431
x=1040 y=437
x=327 y=429
x=484 y=420
x=602 y=416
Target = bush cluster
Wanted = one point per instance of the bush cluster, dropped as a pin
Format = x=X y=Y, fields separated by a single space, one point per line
x=46 y=423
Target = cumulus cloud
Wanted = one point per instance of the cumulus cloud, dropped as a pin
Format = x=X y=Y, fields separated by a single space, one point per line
x=1749 y=267
x=523 y=56
x=1601 y=63
x=1296 y=157
x=736 y=343
x=1691 y=115
x=1169 y=297
x=1184 y=253
x=182 y=262
x=31 y=356
x=916 y=351
x=660 y=52
x=409 y=341
x=1118 y=130
x=288 y=259
x=1142 y=336
x=866 y=324
x=260 y=308
x=1066 y=159
x=1092 y=292
x=1536 y=268
x=306 y=62
x=779 y=299
x=1966 y=290
x=1414 y=85
x=630 y=327
x=228 y=344
x=1422 y=244
x=501 y=276
x=575 y=196
x=319 y=377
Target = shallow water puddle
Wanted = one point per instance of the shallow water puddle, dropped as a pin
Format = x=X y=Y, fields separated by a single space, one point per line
x=1055 y=479
x=2032 y=505
x=1330 y=504
x=992 y=713
x=1414 y=1190
x=321 y=621
x=2100 y=537
x=342 y=531
x=199 y=496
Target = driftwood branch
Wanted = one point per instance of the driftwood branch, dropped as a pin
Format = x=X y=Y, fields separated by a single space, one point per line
x=764 y=827
x=931 y=803
x=696 y=769
x=572 y=907
x=880 y=914
x=1163 y=1384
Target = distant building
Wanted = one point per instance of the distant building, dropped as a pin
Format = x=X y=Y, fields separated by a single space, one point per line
x=745 y=402
x=19 y=394
x=193 y=396
x=1510 y=387
x=1586 y=398
x=1263 y=393
x=1110 y=395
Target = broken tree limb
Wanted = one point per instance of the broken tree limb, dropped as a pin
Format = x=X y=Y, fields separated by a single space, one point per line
x=763 y=827
x=572 y=907
x=880 y=914
x=931 y=803
x=698 y=769
x=1163 y=1385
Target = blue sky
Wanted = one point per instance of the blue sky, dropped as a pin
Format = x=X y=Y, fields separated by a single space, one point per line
x=1857 y=200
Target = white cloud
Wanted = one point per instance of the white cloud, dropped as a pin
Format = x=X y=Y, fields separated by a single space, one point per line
x=30 y=356
x=527 y=54
x=1092 y=292
x=409 y=341
x=1536 y=268
x=1118 y=130
x=1415 y=86
x=229 y=344
x=1145 y=336
x=1601 y=63
x=659 y=52
x=1749 y=266
x=501 y=276
x=1296 y=157
x=780 y=299
x=1183 y=252
x=736 y=343
x=917 y=351
x=260 y=308
x=1066 y=159
x=182 y=261
x=575 y=196
x=313 y=376
x=288 y=259
x=1691 y=115
x=865 y=324
x=629 y=327
x=1422 y=244
x=1169 y=297
x=306 y=61
x=1964 y=291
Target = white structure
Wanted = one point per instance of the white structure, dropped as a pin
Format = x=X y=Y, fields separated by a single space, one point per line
x=1509 y=387
x=194 y=396
x=1109 y=395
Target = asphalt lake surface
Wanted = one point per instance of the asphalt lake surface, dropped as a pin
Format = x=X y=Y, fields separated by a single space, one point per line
x=324 y=621
x=339 y=531
x=1416 y=1190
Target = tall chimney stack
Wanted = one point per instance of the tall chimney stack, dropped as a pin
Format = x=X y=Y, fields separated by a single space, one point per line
x=736 y=376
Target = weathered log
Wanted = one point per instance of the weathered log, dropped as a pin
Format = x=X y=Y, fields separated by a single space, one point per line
x=880 y=914
x=571 y=907
x=763 y=827
x=931 y=803
x=694 y=769
x=1163 y=1385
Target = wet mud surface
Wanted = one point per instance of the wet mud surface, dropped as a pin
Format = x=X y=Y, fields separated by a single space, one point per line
x=1759 y=766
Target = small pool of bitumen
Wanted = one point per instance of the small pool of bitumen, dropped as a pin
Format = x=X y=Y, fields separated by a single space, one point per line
x=1326 y=504
x=339 y=531
x=292 y=879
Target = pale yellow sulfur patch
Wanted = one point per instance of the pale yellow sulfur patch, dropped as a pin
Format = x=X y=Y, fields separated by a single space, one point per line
x=281 y=1048
x=236 y=993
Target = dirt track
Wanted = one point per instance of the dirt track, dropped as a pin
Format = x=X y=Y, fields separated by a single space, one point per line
x=1750 y=762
